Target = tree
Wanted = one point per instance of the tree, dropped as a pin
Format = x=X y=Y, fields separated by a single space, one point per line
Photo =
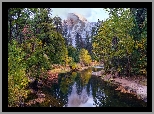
x=116 y=28
x=38 y=37
x=56 y=49
x=139 y=32
x=88 y=43
x=36 y=62
x=78 y=41
x=85 y=58
x=48 y=30
x=17 y=18
x=140 y=16
x=74 y=53
x=17 y=79
x=57 y=21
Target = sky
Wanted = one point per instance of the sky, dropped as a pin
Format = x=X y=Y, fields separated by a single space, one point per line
x=91 y=14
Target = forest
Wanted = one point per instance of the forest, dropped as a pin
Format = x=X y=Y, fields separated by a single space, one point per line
x=37 y=43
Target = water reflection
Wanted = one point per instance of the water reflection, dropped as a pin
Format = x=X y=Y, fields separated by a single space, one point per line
x=82 y=100
x=81 y=89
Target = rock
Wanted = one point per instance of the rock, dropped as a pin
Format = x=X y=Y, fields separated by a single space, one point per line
x=77 y=24
x=134 y=85
x=141 y=90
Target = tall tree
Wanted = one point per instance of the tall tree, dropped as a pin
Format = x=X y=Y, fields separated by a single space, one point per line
x=139 y=32
x=117 y=28
x=85 y=58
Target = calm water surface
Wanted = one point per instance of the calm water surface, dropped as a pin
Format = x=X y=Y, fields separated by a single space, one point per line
x=81 y=89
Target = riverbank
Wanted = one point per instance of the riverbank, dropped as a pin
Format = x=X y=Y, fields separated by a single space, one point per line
x=136 y=85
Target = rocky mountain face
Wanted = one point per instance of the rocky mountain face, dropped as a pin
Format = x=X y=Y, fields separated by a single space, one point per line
x=77 y=30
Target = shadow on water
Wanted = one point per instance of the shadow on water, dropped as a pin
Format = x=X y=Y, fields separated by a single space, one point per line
x=81 y=89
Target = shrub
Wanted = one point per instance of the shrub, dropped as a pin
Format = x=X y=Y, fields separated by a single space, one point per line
x=17 y=79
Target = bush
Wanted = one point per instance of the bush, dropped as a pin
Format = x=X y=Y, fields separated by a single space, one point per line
x=17 y=79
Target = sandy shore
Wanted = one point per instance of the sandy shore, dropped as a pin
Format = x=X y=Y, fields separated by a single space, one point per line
x=127 y=84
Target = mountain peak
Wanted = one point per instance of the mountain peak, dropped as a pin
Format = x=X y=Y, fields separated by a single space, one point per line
x=81 y=17
x=76 y=16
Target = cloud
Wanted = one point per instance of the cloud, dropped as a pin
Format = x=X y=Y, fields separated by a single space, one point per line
x=91 y=14
x=64 y=11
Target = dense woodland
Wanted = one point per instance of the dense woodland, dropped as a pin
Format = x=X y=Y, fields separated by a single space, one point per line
x=36 y=42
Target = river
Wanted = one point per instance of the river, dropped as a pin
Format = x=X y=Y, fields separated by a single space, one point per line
x=81 y=89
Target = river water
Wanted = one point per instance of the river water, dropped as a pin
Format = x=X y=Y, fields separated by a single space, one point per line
x=81 y=89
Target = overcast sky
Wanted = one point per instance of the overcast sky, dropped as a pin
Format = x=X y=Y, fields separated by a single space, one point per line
x=91 y=14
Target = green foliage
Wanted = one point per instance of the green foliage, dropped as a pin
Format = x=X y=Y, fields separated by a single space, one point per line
x=18 y=18
x=69 y=60
x=17 y=79
x=139 y=31
x=36 y=62
x=84 y=56
x=66 y=60
x=115 y=42
x=39 y=45
x=74 y=53
x=56 y=50
x=53 y=43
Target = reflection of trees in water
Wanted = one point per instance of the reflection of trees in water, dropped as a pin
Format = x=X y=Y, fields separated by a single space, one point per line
x=55 y=91
x=78 y=84
x=64 y=85
x=89 y=87
x=85 y=76
x=103 y=94
x=82 y=79
x=61 y=90
x=99 y=95
x=57 y=94
x=86 y=86
x=94 y=85
x=66 y=82
x=75 y=100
